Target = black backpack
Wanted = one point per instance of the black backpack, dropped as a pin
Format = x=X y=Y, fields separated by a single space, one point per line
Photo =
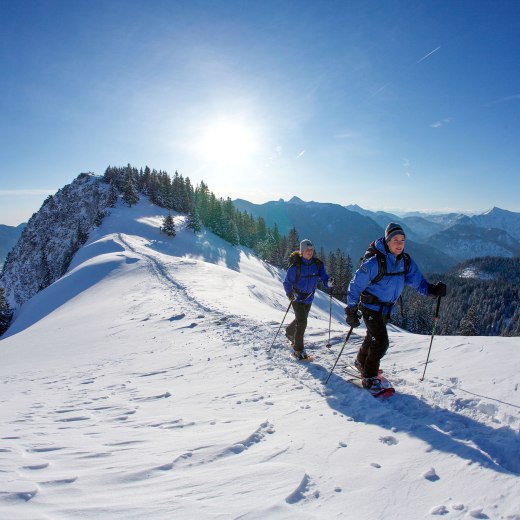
x=381 y=263
x=295 y=259
x=382 y=271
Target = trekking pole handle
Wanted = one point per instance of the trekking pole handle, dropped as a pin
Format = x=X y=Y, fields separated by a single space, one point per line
x=438 y=307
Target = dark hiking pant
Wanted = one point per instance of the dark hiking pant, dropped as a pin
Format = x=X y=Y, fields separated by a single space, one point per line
x=376 y=342
x=296 y=329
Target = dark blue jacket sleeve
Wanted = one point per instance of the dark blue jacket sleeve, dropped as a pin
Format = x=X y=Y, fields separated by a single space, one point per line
x=324 y=276
x=415 y=279
x=290 y=278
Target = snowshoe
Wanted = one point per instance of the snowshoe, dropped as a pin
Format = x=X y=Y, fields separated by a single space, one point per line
x=301 y=355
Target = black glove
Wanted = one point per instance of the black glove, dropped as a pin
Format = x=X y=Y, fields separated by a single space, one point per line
x=439 y=289
x=290 y=296
x=331 y=283
x=352 y=316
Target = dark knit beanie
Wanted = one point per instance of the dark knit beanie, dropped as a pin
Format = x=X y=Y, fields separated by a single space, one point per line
x=393 y=229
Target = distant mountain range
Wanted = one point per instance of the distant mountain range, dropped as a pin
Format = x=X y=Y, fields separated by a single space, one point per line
x=437 y=242
x=9 y=235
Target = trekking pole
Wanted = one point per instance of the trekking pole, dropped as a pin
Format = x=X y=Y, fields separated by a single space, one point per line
x=328 y=345
x=290 y=303
x=340 y=352
x=435 y=320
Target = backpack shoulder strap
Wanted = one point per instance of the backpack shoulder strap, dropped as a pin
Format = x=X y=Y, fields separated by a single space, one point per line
x=381 y=267
x=381 y=261
x=407 y=261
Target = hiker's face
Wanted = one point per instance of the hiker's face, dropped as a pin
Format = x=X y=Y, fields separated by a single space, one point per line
x=307 y=253
x=396 y=244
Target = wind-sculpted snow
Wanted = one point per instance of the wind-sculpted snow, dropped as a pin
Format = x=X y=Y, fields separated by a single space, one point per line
x=139 y=386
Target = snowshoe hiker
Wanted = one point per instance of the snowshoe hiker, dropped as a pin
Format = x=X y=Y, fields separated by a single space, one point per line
x=300 y=285
x=375 y=293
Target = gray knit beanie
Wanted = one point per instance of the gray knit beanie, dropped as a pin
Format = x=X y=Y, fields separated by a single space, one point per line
x=393 y=229
x=304 y=244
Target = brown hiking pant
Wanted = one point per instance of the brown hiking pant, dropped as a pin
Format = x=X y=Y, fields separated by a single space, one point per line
x=296 y=329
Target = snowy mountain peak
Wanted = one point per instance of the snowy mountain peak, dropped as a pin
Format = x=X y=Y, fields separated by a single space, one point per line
x=495 y=210
x=296 y=200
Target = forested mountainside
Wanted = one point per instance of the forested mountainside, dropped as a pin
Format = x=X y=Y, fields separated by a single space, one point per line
x=483 y=299
x=52 y=236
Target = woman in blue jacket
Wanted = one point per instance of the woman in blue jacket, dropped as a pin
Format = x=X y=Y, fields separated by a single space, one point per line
x=300 y=285
x=376 y=293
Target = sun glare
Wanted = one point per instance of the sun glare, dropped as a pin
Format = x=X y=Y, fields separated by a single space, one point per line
x=227 y=143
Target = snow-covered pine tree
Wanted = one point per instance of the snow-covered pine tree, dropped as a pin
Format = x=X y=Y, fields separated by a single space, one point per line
x=44 y=272
x=130 y=189
x=469 y=324
x=99 y=218
x=193 y=221
x=112 y=196
x=293 y=243
x=168 y=225
x=5 y=312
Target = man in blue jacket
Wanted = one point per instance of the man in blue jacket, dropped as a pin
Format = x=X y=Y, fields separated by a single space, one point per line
x=376 y=293
x=300 y=285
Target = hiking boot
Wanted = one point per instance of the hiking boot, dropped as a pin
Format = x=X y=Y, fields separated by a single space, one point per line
x=290 y=338
x=300 y=354
x=359 y=367
x=373 y=384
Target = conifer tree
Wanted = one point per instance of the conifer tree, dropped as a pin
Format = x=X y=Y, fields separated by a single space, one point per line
x=293 y=242
x=99 y=218
x=45 y=277
x=5 y=312
x=193 y=221
x=469 y=324
x=168 y=225
x=130 y=191
x=112 y=196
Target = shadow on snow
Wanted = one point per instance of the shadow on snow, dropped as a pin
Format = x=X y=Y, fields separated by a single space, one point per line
x=443 y=430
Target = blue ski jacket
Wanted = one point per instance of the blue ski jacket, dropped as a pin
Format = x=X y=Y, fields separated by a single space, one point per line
x=305 y=286
x=389 y=288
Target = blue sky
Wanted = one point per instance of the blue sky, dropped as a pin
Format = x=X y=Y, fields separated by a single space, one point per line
x=411 y=105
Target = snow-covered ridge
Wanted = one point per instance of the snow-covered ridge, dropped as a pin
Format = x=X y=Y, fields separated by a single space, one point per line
x=139 y=385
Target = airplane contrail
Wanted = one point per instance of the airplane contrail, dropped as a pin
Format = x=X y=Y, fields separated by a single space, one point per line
x=429 y=54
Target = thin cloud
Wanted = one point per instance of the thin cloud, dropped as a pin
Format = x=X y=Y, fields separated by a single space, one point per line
x=427 y=55
x=515 y=97
x=17 y=193
x=346 y=135
x=440 y=123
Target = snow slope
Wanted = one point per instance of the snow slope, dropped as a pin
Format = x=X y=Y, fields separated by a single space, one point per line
x=139 y=385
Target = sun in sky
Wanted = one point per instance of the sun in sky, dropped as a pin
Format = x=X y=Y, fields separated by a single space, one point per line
x=227 y=142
